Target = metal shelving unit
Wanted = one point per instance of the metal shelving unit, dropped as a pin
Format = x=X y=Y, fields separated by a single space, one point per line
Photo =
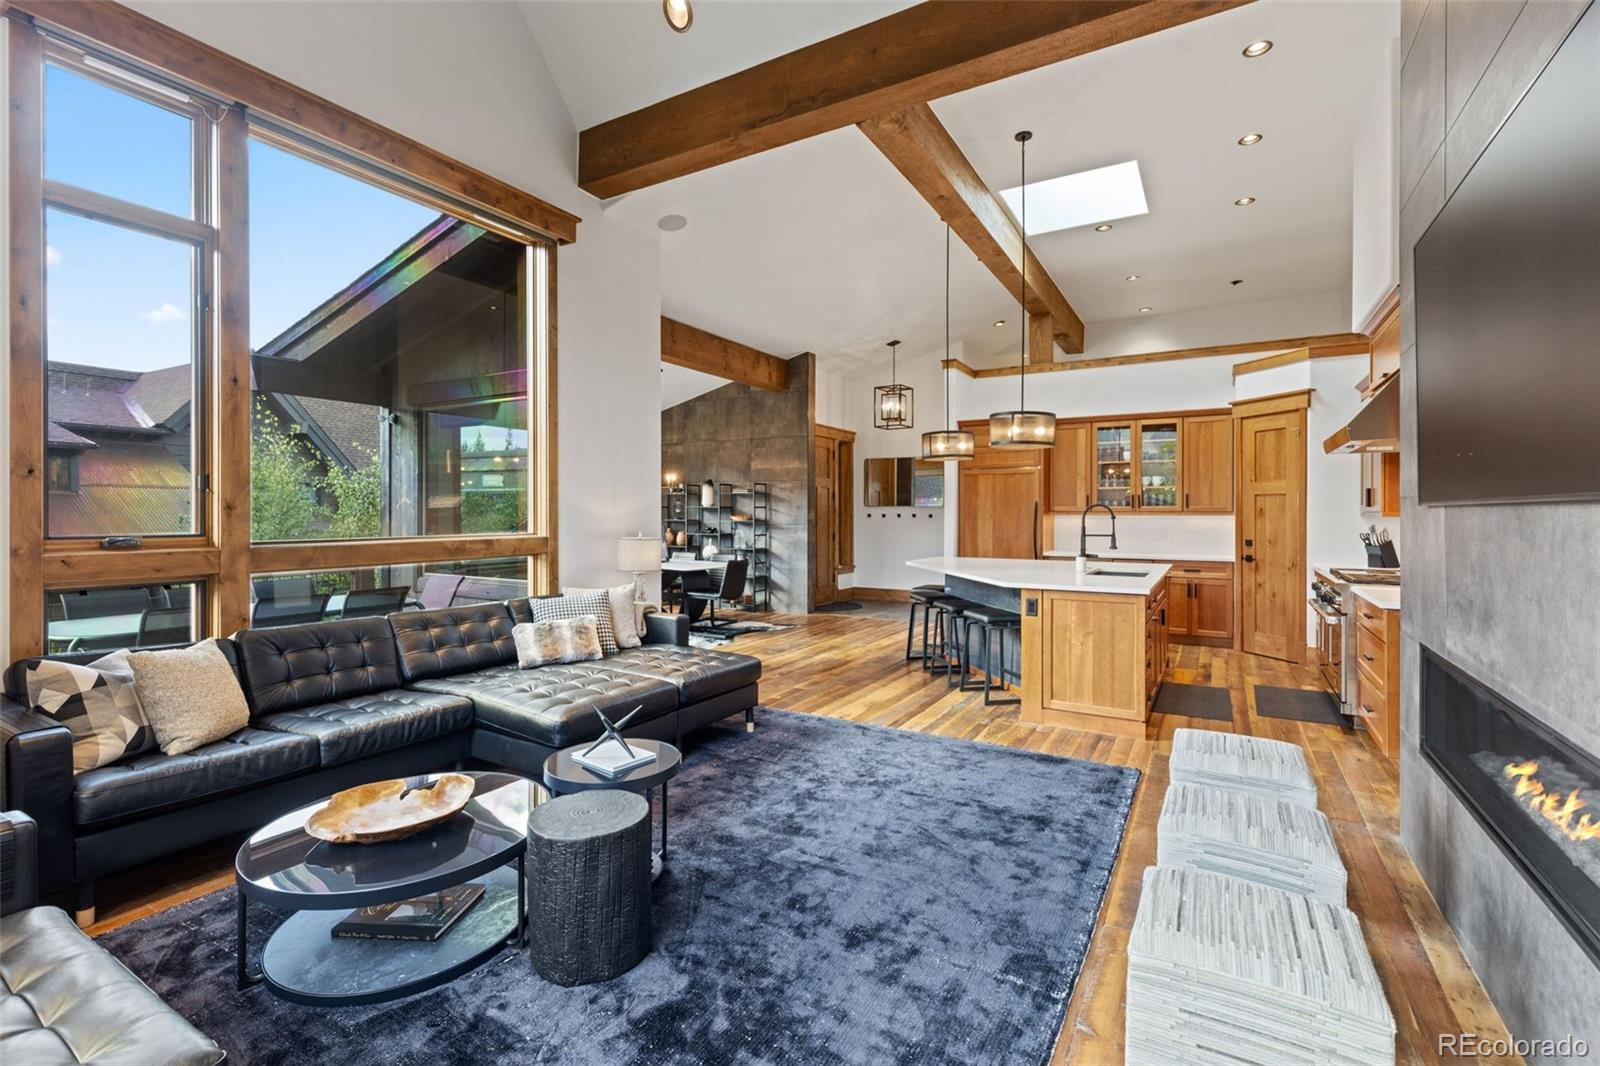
x=739 y=525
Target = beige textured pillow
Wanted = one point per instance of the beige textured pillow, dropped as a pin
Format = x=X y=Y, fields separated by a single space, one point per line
x=624 y=623
x=190 y=695
x=565 y=640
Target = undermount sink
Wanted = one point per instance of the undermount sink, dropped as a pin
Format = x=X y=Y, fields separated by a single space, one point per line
x=1097 y=572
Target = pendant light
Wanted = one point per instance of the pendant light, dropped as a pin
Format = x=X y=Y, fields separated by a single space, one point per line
x=894 y=404
x=1022 y=427
x=948 y=443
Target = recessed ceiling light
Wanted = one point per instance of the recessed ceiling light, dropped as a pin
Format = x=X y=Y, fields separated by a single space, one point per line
x=1133 y=277
x=999 y=322
x=1102 y=227
x=1144 y=310
x=1250 y=138
x=671 y=223
x=680 y=16
x=1244 y=201
x=1082 y=199
x=1253 y=50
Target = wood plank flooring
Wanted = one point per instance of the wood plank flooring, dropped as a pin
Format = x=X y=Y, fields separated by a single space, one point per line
x=850 y=665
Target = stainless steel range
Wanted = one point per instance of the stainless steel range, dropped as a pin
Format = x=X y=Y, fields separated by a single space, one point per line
x=1336 y=628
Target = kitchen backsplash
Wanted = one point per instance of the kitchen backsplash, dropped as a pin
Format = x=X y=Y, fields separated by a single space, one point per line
x=1205 y=534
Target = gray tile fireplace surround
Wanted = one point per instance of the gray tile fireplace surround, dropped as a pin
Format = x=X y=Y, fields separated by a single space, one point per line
x=1506 y=593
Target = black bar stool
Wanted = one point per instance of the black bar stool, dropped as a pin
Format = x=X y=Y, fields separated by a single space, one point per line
x=950 y=614
x=991 y=622
x=921 y=596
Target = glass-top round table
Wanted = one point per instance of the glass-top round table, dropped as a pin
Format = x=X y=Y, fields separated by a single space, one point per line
x=283 y=866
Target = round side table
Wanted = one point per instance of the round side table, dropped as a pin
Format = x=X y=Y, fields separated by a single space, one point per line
x=562 y=775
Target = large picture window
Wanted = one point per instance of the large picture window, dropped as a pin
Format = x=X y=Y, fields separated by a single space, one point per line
x=391 y=373
x=254 y=369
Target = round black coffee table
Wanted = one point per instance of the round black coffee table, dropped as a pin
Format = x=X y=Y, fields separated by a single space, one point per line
x=562 y=775
x=282 y=866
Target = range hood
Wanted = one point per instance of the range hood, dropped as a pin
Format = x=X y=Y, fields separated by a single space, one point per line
x=1375 y=428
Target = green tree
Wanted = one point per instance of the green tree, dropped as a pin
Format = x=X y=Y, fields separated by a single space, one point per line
x=358 y=498
x=282 y=479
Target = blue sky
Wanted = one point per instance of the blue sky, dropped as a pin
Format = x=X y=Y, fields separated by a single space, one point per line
x=120 y=298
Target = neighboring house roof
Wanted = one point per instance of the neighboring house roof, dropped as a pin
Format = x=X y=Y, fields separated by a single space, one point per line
x=62 y=437
x=163 y=393
x=350 y=428
x=124 y=485
x=91 y=397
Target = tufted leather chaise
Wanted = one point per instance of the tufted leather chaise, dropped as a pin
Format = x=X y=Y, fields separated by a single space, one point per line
x=63 y=999
x=335 y=704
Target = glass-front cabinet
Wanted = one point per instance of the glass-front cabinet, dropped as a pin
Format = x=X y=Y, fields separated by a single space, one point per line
x=1137 y=464
x=1158 y=465
x=1113 y=464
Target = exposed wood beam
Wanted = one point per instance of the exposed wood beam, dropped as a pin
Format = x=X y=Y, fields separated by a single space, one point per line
x=1041 y=339
x=910 y=57
x=1321 y=346
x=919 y=146
x=684 y=345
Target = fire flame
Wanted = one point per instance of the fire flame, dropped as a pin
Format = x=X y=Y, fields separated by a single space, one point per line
x=1555 y=808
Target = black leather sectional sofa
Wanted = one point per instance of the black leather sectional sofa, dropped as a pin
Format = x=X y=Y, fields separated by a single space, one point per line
x=340 y=703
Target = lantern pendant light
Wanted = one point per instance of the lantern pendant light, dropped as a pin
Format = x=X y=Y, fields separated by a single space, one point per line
x=1022 y=427
x=894 y=404
x=948 y=443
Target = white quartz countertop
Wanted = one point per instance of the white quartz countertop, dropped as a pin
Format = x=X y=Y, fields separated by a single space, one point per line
x=1385 y=596
x=1050 y=575
x=1160 y=557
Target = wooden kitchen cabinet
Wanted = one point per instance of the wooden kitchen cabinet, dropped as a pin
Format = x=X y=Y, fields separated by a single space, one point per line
x=1001 y=499
x=1160 y=465
x=1092 y=660
x=1199 y=603
x=1071 y=467
x=1377 y=694
x=1208 y=464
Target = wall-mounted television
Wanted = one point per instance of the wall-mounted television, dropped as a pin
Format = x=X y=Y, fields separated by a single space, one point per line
x=1508 y=302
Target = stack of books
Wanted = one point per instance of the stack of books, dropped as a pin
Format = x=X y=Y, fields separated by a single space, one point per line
x=613 y=757
x=1268 y=841
x=1224 y=971
x=1255 y=765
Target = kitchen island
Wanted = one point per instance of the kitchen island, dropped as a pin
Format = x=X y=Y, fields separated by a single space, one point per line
x=1094 y=644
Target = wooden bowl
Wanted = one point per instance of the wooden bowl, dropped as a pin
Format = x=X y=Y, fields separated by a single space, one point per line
x=389 y=810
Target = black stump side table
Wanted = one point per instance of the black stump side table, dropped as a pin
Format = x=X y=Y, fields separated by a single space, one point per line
x=283 y=866
x=590 y=886
x=563 y=776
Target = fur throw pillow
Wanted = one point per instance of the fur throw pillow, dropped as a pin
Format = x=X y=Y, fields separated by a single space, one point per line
x=563 y=640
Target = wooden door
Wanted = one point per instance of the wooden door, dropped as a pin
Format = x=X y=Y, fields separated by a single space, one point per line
x=1001 y=511
x=1208 y=464
x=1271 y=529
x=1071 y=468
x=824 y=586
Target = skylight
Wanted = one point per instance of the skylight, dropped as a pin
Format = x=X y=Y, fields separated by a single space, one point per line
x=1081 y=199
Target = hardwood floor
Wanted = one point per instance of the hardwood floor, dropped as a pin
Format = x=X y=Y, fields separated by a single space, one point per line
x=850 y=665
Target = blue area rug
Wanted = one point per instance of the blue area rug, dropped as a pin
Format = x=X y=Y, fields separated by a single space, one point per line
x=837 y=893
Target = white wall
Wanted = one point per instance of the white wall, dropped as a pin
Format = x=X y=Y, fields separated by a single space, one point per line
x=1290 y=316
x=1375 y=209
x=494 y=105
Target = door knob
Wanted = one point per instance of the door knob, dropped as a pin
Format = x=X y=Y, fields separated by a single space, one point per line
x=1248 y=558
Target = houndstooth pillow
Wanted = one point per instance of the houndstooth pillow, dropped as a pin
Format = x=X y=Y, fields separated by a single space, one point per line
x=598 y=604
x=97 y=704
x=624 y=619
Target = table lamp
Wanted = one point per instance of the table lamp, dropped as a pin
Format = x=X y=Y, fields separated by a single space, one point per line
x=638 y=555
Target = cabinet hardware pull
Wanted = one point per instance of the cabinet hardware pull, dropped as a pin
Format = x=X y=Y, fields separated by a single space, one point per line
x=1248 y=558
x=1186 y=499
x=1368 y=711
x=1367 y=657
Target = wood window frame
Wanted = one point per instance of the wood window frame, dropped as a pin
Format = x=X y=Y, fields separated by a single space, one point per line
x=220 y=556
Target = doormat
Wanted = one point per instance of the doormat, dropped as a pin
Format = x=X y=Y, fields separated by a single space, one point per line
x=1298 y=704
x=837 y=605
x=701 y=636
x=1195 y=701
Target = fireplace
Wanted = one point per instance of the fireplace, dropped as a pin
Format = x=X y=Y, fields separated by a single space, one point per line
x=1536 y=792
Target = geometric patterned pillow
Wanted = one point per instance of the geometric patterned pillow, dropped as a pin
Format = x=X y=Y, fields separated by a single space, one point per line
x=596 y=604
x=99 y=709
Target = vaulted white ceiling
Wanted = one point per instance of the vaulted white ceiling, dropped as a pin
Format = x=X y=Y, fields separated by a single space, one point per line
x=823 y=246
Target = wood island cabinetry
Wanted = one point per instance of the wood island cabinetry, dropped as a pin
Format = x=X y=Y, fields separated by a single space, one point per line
x=1093 y=660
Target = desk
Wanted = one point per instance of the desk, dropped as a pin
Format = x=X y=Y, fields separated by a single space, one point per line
x=65 y=634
